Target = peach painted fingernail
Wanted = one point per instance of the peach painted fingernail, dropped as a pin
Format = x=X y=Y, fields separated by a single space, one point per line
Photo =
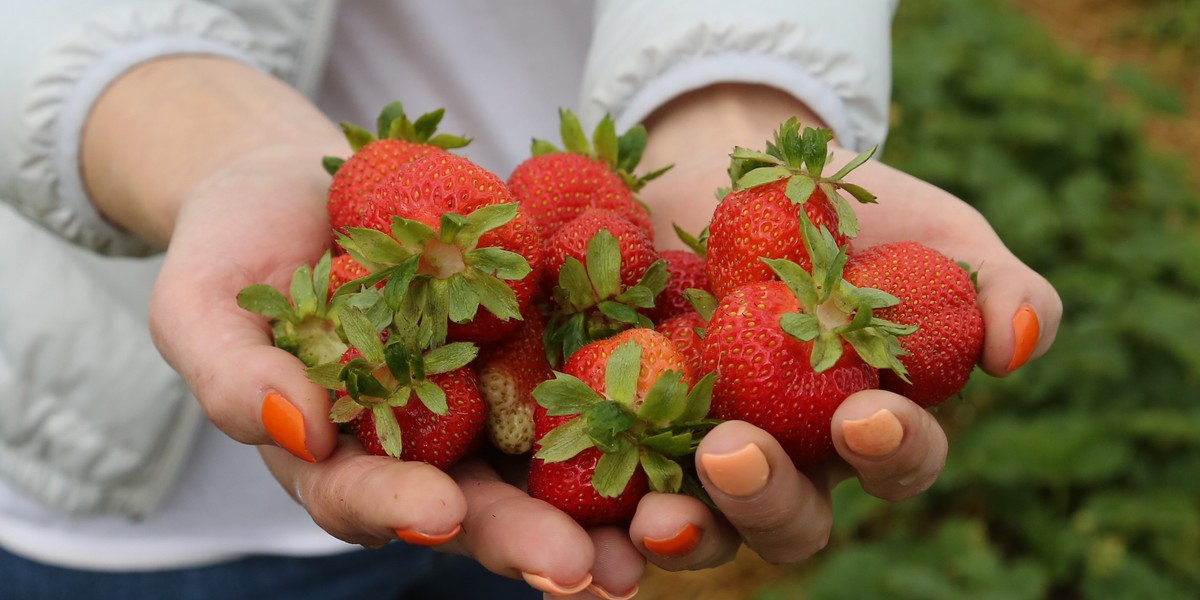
x=1026 y=330
x=546 y=585
x=875 y=436
x=606 y=595
x=285 y=424
x=741 y=473
x=424 y=539
x=680 y=544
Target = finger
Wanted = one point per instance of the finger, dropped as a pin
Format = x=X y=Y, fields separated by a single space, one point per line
x=618 y=565
x=370 y=500
x=679 y=533
x=1021 y=314
x=521 y=537
x=896 y=448
x=782 y=515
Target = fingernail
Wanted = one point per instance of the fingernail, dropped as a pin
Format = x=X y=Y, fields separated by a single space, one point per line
x=1026 y=330
x=875 y=436
x=424 y=539
x=680 y=544
x=606 y=595
x=285 y=424
x=546 y=585
x=740 y=474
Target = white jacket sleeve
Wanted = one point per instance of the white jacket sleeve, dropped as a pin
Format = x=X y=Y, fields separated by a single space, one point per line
x=834 y=56
x=57 y=58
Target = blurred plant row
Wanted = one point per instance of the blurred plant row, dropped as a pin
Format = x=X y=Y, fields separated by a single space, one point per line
x=1078 y=477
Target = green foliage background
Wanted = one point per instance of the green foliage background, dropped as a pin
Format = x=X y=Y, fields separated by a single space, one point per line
x=1078 y=477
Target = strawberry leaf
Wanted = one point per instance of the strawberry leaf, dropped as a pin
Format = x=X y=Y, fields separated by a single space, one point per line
x=697 y=243
x=665 y=401
x=331 y=164
x=357 y=136
x=432 y=396
x=607 y=423
x=392 y=112
x=564 y=442
x=267 y=301
x=399 y=397
x=605 y=139
x=603 y=261
x=799 y=281
x=815 y=149
x=670 y=443
x=762 y=176
x=410 y=233
x=449 y=226
x=847 y=219
x=619 y=312
x=372 y=247
x=614 y=470
x=485 y=219
x=502 y=263
x=699 y=400
x=399 y=279
x=494 y=295
x=630 y=147
x=543 y=147
x=362 y=334
x=664 y=474
x=802 y=326
x=826 y=350
x=854 y=163
x=449 y=357
x=464 y=302
x=326 y=375
x=426 y=124
x=572 y=133
x=320 y=281
x=574 y=291
x=449 y=142
x=344 y=410
x=800 y=188
x=565 y=395
x=387 y=429
x=621 y=372
x=399 y=362
x=701 y=300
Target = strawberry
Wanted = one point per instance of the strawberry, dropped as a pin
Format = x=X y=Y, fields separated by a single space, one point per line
x=455 y=241
x=607 y=272
x=938 y=296
x=402 y=401
x=616 y=423
x=685 y=270
x=305 y=322
x=508 y=371
x=760 y=216
x=376 y=158
x=556 y=186
x=684 y=330
x=344 y=270
x=786 y=353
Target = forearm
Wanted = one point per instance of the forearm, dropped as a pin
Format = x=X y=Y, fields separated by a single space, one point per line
x=167 y=125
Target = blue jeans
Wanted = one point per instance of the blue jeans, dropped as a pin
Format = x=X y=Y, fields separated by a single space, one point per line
x=395 y=572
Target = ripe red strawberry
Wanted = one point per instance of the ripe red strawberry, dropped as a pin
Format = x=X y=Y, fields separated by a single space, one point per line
x=616 y=423
x=685 y=270
x=401 y=400
x=344 y=270
x=606 y=273
x=508 y=371
x=555 y=186
x=683 y=331
x=571 y=240
x=458 y=242
x=787 y=353
x=937 y=296
x=760 y=217
x=376 y=158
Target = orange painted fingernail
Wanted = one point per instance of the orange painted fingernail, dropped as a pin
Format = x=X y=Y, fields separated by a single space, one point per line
x=875 y=436
x=285 y=424
x=548 y=586
x=606 y=595
x=680 y=544
x=424 y=539
x=1026 y=330
x=741 y=473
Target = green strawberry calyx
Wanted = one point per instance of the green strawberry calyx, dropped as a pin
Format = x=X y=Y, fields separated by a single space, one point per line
x=800 y=156
x=621 y=153
x=394 y=124
x=387 y=375
x=588 y=303
x=304 y=322
x=656 y=432
x=442 y=272
x=833 y=309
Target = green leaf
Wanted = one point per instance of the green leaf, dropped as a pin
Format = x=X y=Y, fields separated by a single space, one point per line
x=826 y=350
x=697 y=243
x=573 y=136
x=426 y=125
x=391 y=112
x=762 y=176
x=664 y=474
x=449 y=226
x=603 y=262
x=485 y=219
x=449 y=357
x=701 y=300
x=376 y=247
x=800 y=188
x=816 y=149
x=564 y=442
x=331 y=164
x=542 y=148
x=565 y=395
x=362 y=335
x=630 y=147
x=399 y=280
x=399 y=361
x=670 y=443
x=854 y=163
x=860 y=193
x=699 y=399
x=267 y=301
x=412 y=234
x=847 y=218
x=326 y=375
x=357 y=136
x=494 y=295
x=574 y=287
x=344 y=410
x=802 y=326
x=320 y=281
x=614 y=470
x=464 y=301
x=432 y=396
x=607 y=423
x=605 y=139
x=666 y=400
x=621 y=372
x=619 y=312
x=387 y=429
x=799 y=281
x=498 y=262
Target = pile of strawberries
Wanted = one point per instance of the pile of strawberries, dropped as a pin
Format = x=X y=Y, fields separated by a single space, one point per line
x=459 y=312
